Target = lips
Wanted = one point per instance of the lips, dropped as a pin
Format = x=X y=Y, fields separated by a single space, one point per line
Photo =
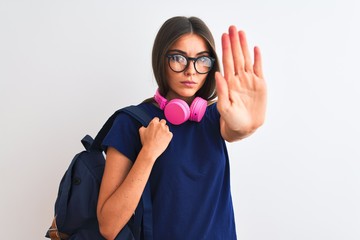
x=188 y=82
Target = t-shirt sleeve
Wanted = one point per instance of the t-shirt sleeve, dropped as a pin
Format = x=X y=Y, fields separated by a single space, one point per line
x=124 y=136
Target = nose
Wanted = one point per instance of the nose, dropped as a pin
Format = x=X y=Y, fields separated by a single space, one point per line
x=190 y=69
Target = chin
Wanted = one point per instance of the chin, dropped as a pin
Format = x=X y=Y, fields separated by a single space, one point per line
x=187 y=93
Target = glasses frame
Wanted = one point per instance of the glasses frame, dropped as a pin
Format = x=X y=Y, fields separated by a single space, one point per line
x=188 y=59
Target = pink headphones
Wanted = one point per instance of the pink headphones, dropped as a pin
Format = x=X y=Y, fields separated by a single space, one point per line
x=177 y=111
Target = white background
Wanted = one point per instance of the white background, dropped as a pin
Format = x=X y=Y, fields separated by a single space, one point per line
x=65 y=66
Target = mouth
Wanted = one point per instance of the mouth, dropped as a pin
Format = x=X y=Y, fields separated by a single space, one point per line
x=188 y=83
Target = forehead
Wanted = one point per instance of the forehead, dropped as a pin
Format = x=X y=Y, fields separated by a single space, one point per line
x=190 y=43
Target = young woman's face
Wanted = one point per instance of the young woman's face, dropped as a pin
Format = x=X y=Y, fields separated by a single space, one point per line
x=185 y=84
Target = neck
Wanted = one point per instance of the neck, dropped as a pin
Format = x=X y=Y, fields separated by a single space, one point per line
x=171 y=96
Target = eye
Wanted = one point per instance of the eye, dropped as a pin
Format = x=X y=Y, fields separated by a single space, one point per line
x=179 y=59
x=205 y=61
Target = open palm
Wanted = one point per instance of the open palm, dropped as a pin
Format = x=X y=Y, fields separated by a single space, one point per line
x=242 y=89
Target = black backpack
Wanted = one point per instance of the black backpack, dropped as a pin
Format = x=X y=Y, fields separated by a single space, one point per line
x=75 y=206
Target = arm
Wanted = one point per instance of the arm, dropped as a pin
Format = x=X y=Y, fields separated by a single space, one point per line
x=123 y=183
x=242 y=90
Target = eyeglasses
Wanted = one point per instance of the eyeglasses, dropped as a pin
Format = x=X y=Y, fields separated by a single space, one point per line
x=178 y=63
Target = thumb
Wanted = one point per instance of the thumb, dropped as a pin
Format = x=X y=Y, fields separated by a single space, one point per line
x=221 y=89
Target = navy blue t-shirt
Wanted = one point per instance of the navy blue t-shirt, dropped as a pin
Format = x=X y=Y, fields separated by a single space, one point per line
x=190 y=181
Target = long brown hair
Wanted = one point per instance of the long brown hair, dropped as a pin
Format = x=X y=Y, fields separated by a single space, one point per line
x=171 y=31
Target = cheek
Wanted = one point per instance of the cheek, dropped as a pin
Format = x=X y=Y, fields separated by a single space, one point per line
x=171 y=78
x=202 y=79
x=169 y=75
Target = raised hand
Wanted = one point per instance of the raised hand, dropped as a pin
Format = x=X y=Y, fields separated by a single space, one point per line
x=242 y=90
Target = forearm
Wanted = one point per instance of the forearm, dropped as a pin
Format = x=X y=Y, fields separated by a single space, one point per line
x=120 y=206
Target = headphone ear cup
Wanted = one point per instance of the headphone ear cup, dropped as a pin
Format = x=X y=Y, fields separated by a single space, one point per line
x=177 y=111
x=197 y=109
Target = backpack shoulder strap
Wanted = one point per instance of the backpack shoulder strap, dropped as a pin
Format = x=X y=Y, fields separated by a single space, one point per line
x=138 y=113
x=134 y=111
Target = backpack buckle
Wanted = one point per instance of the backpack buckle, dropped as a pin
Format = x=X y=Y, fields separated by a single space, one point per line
x=54 y=233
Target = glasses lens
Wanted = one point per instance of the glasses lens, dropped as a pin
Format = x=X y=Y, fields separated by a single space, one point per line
x=177 y=63
x=203 y=64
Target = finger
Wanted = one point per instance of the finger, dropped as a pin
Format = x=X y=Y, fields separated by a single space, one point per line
x=228 y=62
x=141 y=130
x=245 y=51
x=163 y=121
x=258 y=63
x=237 y=53
x=167 y=128
x=155 y=120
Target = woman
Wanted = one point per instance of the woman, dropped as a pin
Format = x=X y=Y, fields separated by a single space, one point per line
x=182 y=152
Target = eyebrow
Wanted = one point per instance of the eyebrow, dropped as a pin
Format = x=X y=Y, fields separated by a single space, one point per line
x=184 y=53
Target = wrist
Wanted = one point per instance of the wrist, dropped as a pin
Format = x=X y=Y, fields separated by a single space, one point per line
x=147 y=155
